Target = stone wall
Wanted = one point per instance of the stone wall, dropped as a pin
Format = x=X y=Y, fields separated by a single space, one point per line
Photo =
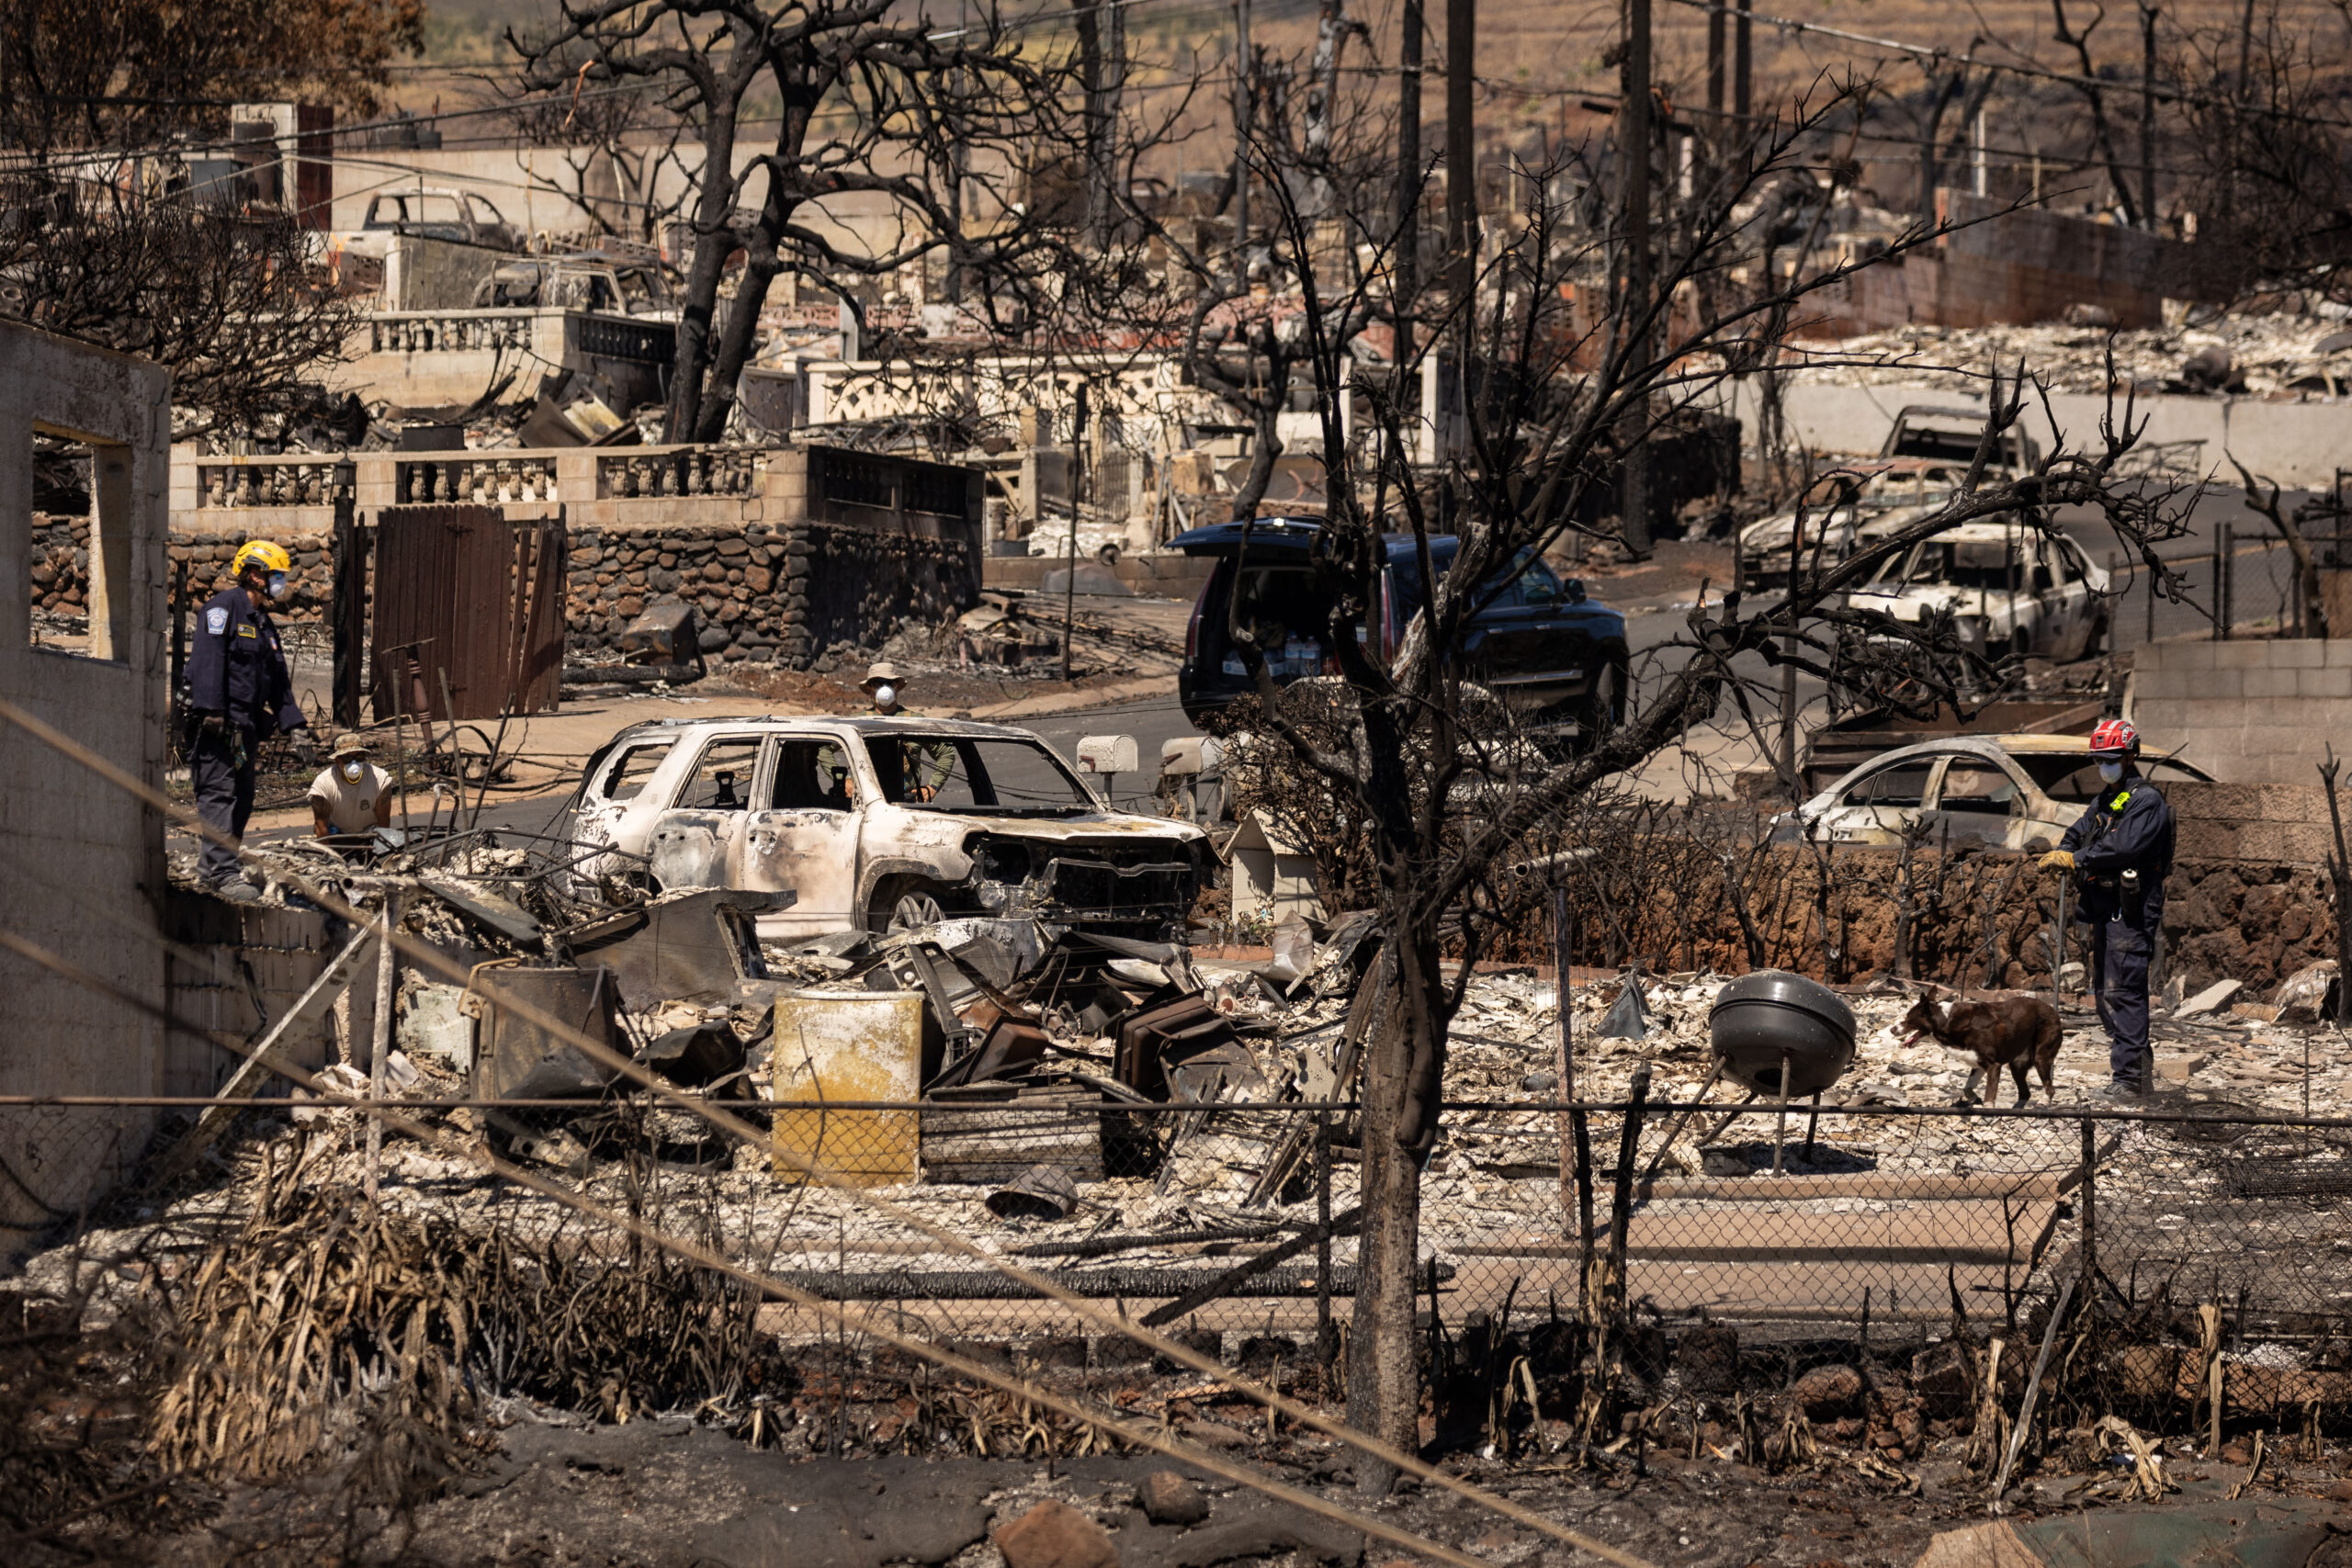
x=763 y=591
x=58 y=568
x=205 y=558
x=785 y=551
x=1982 y=920
x=767 y=592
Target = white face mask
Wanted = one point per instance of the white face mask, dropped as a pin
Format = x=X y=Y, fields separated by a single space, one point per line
x=279 y=586
x=354 y=770
x=884 y=694
x=2110 y=772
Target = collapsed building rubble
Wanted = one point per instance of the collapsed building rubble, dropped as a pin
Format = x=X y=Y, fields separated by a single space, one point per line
x=1125 y=1115
x=1126 y=1106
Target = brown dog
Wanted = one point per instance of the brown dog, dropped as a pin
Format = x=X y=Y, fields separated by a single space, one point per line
x=2001 y=1028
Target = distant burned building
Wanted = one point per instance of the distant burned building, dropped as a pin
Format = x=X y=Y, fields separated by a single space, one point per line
x=781 y=551
x=1997 y=266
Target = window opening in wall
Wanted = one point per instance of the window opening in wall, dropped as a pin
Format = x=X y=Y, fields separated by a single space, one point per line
x=58 y=552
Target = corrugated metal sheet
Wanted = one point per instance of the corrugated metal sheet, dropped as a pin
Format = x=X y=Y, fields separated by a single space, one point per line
x=465 y=593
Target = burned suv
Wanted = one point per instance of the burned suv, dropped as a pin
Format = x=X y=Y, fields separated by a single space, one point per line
x=1556 y=657
x=880 y=823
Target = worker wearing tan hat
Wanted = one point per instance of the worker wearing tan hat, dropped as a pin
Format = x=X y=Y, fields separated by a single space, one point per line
x=924 y=765
x=353 y=794
x=882 y=685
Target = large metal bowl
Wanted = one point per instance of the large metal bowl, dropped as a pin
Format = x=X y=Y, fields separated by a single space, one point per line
x=1764 y=1020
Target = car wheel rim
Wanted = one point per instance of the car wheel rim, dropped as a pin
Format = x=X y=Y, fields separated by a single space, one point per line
x=915 y=910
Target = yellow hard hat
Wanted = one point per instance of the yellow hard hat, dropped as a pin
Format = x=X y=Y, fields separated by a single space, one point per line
x=263 y=555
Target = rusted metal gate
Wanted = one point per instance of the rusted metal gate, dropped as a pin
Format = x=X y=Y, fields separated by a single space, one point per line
x=470 y=604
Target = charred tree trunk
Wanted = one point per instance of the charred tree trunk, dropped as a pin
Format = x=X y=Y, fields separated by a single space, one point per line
x=714 y=242
x=1383 y=1353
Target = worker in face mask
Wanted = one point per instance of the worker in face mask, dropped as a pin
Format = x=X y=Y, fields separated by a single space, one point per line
x=2119 y=854
x=353 y=794
x=882 y=686
x=924 y=765
x=239 y=694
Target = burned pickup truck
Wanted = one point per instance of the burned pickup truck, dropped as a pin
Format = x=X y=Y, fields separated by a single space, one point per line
x=880 y=823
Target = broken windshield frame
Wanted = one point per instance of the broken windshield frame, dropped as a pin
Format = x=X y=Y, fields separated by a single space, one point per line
x=982 y=777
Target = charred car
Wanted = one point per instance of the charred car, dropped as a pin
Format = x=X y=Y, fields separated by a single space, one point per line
x=2008 y=792
x=879 y=823
x=2011 y=590
x=1927 y=454
x=1556 y=657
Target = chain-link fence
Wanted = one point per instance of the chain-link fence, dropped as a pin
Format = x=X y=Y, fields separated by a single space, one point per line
x=2207 y=1238
x=1245 y=1218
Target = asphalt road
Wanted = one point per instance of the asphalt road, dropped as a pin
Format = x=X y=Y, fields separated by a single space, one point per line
x=2264 y=573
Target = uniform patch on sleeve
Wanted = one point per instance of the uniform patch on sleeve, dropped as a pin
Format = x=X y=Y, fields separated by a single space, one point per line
x=216 y=619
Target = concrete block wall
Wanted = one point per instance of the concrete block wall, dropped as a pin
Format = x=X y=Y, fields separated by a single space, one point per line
x=2248 y=711
x=2275 y=824
x=88 y=882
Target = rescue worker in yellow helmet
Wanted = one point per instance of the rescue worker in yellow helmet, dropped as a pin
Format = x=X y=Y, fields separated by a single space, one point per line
x=240 y=693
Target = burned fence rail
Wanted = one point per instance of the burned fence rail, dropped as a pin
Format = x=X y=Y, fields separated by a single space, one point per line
x=1098 y=1284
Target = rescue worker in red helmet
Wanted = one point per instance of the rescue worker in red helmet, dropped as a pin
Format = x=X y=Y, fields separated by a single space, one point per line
x=2119 y=854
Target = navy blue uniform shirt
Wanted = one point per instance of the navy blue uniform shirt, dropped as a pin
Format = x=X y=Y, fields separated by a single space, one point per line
x=237 y=667
x=2129 y=826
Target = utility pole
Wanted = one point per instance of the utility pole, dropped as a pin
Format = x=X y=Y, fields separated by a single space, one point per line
x=1408 y=190
x=1461 y=190
x=1634 y=150
x=959 y=167
x=1077 y=483
x=1740 y=104
x=1716 y=24
x=1243 y=69
x=2148 y=112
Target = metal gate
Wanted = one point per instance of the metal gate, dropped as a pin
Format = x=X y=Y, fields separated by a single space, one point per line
x=469 y=613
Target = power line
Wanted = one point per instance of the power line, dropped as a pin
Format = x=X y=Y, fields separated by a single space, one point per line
x=2170 y=94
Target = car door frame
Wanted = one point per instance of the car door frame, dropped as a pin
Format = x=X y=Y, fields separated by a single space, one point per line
x=2020 y=816
x=810 y=915
x=2071 y=570
x=728 y=859
x=1929 y=790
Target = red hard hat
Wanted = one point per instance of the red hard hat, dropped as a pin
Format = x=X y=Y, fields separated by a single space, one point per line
x=2114 y=738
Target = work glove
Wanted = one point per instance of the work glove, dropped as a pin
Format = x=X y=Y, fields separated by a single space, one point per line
x=306 y=750
x=2057 y=860
x=212 y=726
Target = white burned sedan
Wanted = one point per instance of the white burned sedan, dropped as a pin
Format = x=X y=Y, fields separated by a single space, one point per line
x=881 y=823
x=2012 y=588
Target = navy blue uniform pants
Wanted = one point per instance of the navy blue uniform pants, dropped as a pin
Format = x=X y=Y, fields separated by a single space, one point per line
x=2120 y=956
x=221 y=767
